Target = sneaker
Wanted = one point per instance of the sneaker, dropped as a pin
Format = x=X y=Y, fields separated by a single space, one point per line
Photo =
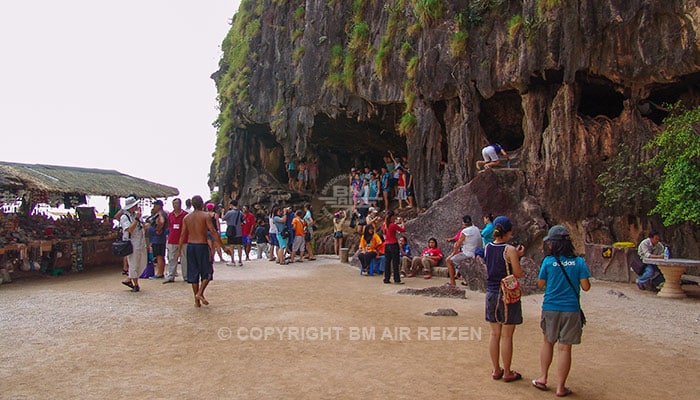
x=136 y=288
x=240 y=263
x=169 y=280
x=156 y=277
x=230 y=264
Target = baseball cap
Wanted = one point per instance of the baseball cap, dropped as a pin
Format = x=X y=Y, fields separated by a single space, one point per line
x=557 y=232
x=504 y=222
x=158 y=203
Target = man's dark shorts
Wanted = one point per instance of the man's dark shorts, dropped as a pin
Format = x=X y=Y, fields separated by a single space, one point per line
x=158 y=249
x=231 y=236
x=199 y=265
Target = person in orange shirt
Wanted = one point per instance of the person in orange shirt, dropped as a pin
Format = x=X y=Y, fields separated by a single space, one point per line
x=298 y=225
x=370 y=244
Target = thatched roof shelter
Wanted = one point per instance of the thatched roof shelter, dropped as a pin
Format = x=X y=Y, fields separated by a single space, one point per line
x=89 y=181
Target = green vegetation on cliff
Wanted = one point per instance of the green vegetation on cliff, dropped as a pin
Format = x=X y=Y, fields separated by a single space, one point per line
x=678 y=197
x=232 y=83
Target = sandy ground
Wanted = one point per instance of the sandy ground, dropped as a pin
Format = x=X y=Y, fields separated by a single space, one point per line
x=87 y=336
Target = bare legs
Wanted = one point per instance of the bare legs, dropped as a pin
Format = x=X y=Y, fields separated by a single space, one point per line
x=563 y=363
x=501 y=344
x=451 y=270
x=198 y=291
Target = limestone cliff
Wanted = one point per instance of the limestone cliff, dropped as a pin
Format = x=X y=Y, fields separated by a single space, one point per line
x=562 y=85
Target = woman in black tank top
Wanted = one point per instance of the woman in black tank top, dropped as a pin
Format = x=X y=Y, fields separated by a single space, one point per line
x=502 y=318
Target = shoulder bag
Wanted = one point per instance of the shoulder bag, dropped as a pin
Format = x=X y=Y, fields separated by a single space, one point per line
x=122 y=248
x=578 y=297
x=510 y=285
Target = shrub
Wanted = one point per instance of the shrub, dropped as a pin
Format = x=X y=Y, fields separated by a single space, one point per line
x=458 y=44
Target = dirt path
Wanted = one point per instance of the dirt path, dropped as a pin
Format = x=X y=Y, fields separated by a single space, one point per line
x=87 y=336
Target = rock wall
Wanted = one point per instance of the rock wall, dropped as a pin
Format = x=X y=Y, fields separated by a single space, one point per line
x=563 y=86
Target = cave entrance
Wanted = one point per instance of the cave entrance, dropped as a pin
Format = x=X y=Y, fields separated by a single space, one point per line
x=501 y=119
x=270 y=155
x=685 y=90
x=344 y=143
x=597 y=96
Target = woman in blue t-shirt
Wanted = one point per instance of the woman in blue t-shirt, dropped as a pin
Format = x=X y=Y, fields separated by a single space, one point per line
x=561 y=309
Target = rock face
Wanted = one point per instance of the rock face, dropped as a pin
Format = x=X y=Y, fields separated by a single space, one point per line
x=562 y=86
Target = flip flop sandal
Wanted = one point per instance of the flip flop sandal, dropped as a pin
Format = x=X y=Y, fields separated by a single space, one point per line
x=128 y=283
x=539 y=385
x=567 y=392
x=498 y=375
x=516 y=377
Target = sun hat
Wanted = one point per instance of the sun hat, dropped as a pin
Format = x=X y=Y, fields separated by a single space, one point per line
x=131 y=201
x=557 y=232
x=504 y=223
x=210 y=206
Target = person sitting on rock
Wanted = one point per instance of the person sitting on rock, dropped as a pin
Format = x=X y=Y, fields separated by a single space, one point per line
x=469 y=241
x=491 y=156
x=405 y=254
x=429 y=258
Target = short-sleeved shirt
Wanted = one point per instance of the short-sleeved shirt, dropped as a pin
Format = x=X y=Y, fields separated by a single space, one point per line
x=646 y=248
x=472 y=240
x=248 y=223
x=137 y=237
x=432 y=252
x=273 y=226
x=278 y=224
x=234 y=218
x=558 y=294
x=308 y=218
x=175 y=227
x=261 y=234
x=298 y=225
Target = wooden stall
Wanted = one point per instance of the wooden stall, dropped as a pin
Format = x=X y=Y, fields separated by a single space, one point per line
x=27 y=247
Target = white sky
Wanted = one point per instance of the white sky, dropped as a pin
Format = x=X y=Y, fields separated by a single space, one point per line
x=120 y=85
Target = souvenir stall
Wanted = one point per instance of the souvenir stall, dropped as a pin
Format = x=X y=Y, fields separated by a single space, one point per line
x=34 y=242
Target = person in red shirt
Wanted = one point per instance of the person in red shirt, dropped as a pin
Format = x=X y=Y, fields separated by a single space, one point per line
x=391 y=225
x=247 y=230
x=430 y=257
x=175 y=219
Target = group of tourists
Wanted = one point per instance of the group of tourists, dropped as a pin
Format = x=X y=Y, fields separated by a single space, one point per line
x=372 y=187
x=303 y=175
x=562 y=275
x=188 y=237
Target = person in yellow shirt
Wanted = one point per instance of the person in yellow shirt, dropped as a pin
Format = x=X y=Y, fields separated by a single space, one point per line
x=370 y=244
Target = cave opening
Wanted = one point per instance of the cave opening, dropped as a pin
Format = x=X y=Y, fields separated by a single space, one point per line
x=686 y=90
x=501 y=119
x=345 y=142
x=597 y=96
